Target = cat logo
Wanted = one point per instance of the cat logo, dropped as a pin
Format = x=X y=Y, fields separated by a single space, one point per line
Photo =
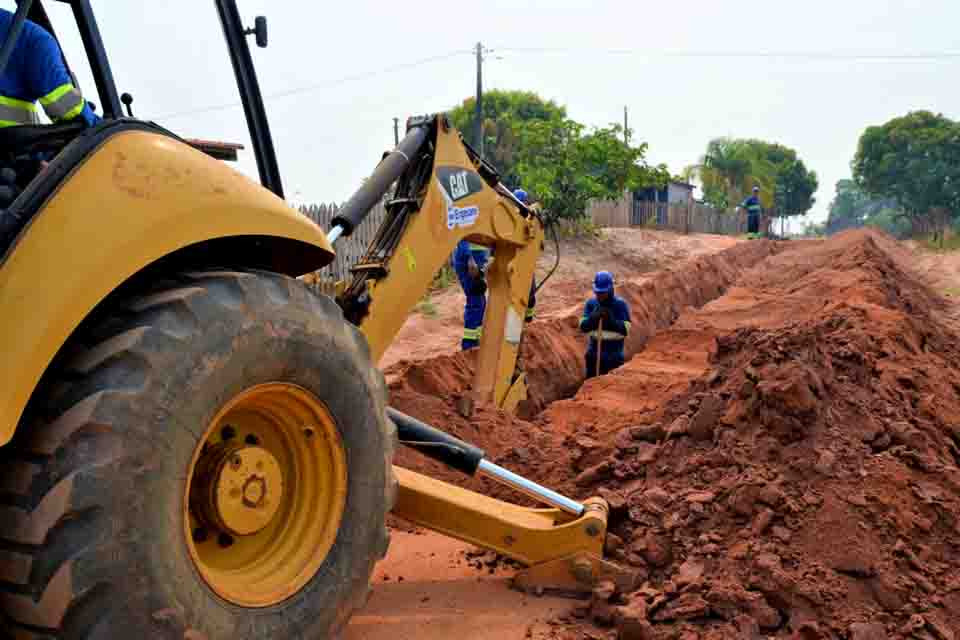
x=459 y=187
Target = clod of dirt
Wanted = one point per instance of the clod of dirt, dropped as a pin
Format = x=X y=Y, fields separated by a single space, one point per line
x=689 y=606
x=868 y=631
x=648 y=432
x=631 y=621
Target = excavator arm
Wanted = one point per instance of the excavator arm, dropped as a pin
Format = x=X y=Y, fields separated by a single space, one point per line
x=445 y=194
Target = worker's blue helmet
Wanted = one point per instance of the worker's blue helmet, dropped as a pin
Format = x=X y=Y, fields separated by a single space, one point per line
x=603 y=282
x=520 y=195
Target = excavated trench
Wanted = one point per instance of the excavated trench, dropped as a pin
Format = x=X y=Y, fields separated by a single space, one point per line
x=553 y=357
x=778 y=396
x=553 y=349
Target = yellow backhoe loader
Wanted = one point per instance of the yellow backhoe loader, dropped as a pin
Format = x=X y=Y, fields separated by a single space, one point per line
x=192 y=443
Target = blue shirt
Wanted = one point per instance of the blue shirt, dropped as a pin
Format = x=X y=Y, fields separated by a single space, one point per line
x=461 y=259
x=752 y=204
x=36 y=72
x=613 y=331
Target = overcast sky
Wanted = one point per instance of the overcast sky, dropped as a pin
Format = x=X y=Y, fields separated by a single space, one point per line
x=339 y=55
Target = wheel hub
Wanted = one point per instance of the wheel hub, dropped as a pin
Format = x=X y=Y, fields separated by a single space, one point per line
x=241 y=489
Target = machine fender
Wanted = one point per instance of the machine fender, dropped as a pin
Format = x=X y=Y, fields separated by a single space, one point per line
x=133 y=200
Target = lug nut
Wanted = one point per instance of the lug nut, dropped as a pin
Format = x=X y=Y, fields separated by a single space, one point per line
x=200 y=535
x=228 y=433
x=252 y=440
x=224 y=540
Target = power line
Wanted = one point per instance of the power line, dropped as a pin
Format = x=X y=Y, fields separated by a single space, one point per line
x=798 y=55
x=321 y=85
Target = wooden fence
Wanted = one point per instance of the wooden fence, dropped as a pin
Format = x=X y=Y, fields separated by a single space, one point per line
x=349 y=250
x=684 y=217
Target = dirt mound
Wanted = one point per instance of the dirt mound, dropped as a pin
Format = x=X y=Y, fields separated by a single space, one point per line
x=784 y=460
x=553 y=359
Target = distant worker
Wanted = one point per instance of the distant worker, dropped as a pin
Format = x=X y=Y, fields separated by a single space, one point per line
x=36 y=73
x=606 y=318
x=754 y=211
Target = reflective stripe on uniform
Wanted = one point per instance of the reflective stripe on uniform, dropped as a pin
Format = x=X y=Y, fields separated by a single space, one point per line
x=478 y=247
x=472 y=334
x=63 y=103
x=531 y=313
x=15 y=112
x=626 y=325
x=754 y=208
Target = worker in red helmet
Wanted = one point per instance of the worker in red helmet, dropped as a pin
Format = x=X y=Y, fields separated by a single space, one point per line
x=606 y=318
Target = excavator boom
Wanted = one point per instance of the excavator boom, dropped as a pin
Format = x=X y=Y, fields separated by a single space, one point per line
x=445 y=193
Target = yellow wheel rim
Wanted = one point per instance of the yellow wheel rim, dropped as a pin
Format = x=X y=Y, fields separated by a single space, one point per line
x=265 y=494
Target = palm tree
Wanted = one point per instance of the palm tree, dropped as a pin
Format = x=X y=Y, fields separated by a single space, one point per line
x=729 y=170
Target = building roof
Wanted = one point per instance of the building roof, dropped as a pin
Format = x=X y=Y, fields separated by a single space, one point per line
x=216 y=149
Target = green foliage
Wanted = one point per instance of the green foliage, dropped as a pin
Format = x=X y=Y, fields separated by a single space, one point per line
x=914 y=159
x=572 y=165
x=731 y=167
x=852 y=208
x=561 y=163
x=504 y=113
x=444 y=278
x=813 y=230
x=426 y=307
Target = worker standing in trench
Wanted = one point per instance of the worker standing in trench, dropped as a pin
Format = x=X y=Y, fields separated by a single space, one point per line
x=606 y=318
x=470 y=262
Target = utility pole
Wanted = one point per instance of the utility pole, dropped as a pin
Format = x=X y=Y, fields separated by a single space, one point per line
x=626 y=130
x=478 y=116
x=396 y=132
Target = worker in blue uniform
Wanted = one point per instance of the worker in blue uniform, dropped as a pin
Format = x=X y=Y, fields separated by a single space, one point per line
x=470 y=261
x=606 y=318
x=754 y=211
x=36 y=73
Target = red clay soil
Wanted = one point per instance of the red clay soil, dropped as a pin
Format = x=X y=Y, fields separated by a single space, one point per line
x=553 y=359
x=781 y=454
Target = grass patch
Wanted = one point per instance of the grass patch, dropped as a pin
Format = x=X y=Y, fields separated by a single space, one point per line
x=426 y=307
x=444 y=278
x=942 y=245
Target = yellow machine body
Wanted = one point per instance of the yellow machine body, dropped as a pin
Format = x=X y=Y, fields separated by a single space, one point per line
x=137 y=198
x=485 y=217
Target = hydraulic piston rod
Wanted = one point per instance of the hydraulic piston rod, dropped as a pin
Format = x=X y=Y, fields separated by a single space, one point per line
x=468 y=459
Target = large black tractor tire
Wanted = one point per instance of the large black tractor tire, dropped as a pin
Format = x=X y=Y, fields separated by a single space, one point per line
x=93 y=489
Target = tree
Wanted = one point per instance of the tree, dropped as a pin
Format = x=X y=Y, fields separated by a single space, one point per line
x=914 y=159
x=504 y=113
x=727 y=171
x=561 y=163
x=793 y=184
x=731 y=167
x=852 y=208
x=564 y=165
